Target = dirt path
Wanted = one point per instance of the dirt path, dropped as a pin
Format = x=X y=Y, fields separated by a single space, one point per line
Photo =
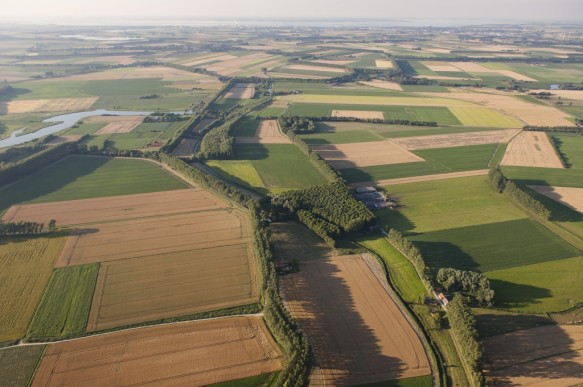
x=416 y=179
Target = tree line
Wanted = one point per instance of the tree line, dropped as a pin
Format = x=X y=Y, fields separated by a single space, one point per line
x=463 y=325
x=367 y=120
x=554 y=129
x=501 y=184
x=471 y=283
x=413 y=255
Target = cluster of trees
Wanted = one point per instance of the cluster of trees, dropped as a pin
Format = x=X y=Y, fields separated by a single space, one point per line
x=571 y=86
x=502 y=185
x=297 y=124
x=218 y=143
x=17 y=152
x=541 y=94
x=10 y=172
x=463 y=325
x=412 y=253
x=563 y=129
x=324 y=229
x=329 y=203
x=21 y=228
x=166 y=117
x=471 y=283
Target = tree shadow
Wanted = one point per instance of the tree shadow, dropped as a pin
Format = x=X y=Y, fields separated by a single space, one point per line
x=445 y=254
x=394 y=218
x=559 y=211
x=492 y=322
x=511 y=295
x=546 y=354
x=251 y=152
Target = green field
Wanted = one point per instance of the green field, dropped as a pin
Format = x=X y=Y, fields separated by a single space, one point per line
x=245 y=127
x=48 y=89
x=140 y=137
x=280 y=166
x=253 y=381
x=441 y=115
x=343 y=137
x=174 y=101
x=543 y=287
x=65 y=306
x=18 y=364
x=402 y=273
x=493 y=246
x=242 y=172
x=225 y=104
x=548 y=74
x=125 y=87
x=439 y=160
x=485 y=117
x=26 y=265
x=445 y=204
x=418 y=381
x=79 y=177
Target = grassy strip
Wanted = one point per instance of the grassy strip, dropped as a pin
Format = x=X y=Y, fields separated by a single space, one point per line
x=65 y=306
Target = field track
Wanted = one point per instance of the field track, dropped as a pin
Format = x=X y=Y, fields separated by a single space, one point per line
x=86 y=211
x=416 y=179
x=359 y=335
x=531 y=149
x=190 y=353
x=543 y=356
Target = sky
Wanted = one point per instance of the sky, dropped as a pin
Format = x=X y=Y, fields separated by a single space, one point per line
x=63 y=11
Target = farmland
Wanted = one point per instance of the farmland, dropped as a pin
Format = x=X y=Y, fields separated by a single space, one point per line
x=531 y=149
x=268 y=132
x=19 y=364
x=84 y=177
x=27 y=264
x=201 y=352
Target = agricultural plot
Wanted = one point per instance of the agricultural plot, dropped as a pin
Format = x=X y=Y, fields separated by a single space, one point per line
x=531 y=149
x=18 y=364
x=365 y=154
x=417 y=179
x=362 y=114
x=484 y=117
x=384 y=64
x=246 y=65
x=383 y=85
x=26 y=265
x=189 y=353
x=115 y=124
x=144 y=135
x=48 y=105
x=571 y=197
x=373 y=100
x=346 y=322
x=241 y=91
x=454 y=140
x=544 y=356
x=185 y=148
x=268 y=132
x=78 y=177
x=341 y=137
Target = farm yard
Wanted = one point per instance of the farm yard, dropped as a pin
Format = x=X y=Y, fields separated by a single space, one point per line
x=200 y=352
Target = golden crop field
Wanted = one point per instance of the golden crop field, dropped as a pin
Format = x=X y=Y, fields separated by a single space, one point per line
x=477 y=116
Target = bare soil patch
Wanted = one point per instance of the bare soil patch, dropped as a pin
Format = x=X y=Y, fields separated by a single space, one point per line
x=49 y=105
x=268 y=132
x=365 y=154
x=531 y=149
x=458 y=139
x=415 y=179
x=87 y=211
x=384 y=64
x=193 y=353
x=383 y=85
x=241 y=91
x=544 y=356
x=571 y=197
x=359 y=335
x=358 y=114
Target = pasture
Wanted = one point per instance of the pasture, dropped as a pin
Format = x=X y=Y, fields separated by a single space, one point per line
x=144 y=135
x=26 y=265
x=196 y=351
x=353 y=341
x=18 y=364
x=65 y=305
x=241 y=172
x=78 y=177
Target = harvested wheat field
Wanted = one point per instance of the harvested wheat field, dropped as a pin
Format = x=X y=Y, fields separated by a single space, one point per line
x=362 y=114
x=544 y=356
x=472 y=67
x=383 y=64
x=383 y=85
x=317 y=68
x=571 y=197
x=192 y=353
x=267 y=133
x=132 y=238
x=531 y=149
x=175 y=284
x=237 y=65
x=185 y=148
x=358 y=333
x=49 y=105
x=87 y=211
x=416 y=179
x=440 y=66
x=365 y=154
x=115 y=124
x=457 y=139
x=242 y=91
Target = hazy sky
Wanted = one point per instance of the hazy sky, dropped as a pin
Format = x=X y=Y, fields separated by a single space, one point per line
x=57 y=10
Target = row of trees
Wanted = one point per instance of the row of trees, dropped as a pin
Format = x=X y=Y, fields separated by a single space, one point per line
x=463 y=325
x=412 y=253
x=324 y=229
x=554 y=129
x=502 y=185
x=471 y=283
x=356 y=119
x=556 y=143
x=21 y=228
x=331 y=203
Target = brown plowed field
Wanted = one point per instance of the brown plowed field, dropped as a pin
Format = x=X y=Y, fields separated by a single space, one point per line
x=152 y=236
x=531 y=149
x=571 y=197
x=458 y=139
x=544 y=356
x=365 y=154
x=242 y=91
x=87 y=211
x=49 y=105
x=267 y=133
x=358 y=333
x=187 y=354
x=358 y=114
x=176 y=284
